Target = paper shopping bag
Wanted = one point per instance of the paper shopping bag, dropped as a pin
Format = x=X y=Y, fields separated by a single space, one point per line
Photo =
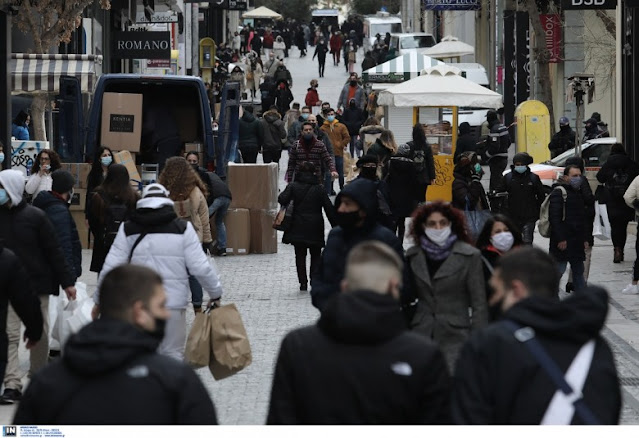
x=229 y=342
x=198 y=344
x=601 y=227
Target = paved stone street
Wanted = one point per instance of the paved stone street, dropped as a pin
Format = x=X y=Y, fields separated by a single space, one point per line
x=265 y=289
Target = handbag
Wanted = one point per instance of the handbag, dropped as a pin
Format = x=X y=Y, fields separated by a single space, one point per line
x=475 y=219
x=601 y=227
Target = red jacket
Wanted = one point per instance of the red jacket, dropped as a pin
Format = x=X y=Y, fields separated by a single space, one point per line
x=335 y=43
x=312 y=98
x=267 y=41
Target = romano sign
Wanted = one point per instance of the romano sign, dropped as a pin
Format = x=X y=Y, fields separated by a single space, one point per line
x=142 y=45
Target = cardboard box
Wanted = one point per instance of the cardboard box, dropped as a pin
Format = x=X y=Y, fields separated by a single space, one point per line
x=80 y=172
x=263 y=235
x=127 y=159
x=238 y=231
x=121 y=121
x=83 y=230
x=253 y=186
x=79 y=200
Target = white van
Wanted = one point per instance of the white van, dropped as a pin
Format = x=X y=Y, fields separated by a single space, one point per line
x=380 y=23
x=404 y=43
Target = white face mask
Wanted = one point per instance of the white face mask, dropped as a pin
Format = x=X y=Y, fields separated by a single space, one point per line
x=438 y=237
x=503 y=241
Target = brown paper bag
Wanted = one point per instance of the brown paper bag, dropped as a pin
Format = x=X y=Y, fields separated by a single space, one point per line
x=231 y=351
x=198 y=343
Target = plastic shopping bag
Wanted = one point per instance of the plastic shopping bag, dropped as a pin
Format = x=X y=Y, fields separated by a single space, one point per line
x=601 y=227
x=72 y=314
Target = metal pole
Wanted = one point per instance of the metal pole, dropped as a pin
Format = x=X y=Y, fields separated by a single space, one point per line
x=5 y=86
x=195 y=40
x=577 y=132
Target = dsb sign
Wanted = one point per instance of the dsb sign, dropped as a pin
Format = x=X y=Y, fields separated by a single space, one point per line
x=589 y=4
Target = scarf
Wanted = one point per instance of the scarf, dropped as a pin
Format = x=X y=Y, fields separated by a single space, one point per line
x=436 y=252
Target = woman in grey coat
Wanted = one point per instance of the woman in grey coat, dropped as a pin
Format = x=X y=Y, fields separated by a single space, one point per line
x=448 y=280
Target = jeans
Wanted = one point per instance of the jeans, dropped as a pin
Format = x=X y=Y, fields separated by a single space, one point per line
x=300 y=261
x=586 y=266
x=528 y=232
x=577 y=267
x=219 y=207
x=196 y=291
x=352 y=147
x=619 y=230
x=339 y=165
x=271 y=156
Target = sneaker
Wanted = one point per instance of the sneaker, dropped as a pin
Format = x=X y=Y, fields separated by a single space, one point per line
x=631 y=289
x=221 y=252
x=303 y=287
x=10 y=397
x=569 y=287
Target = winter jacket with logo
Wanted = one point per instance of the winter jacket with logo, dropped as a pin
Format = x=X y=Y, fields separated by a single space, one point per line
x=111 y=374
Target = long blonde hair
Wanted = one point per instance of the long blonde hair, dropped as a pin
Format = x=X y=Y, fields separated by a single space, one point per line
x=180 y=179
x=388 y=140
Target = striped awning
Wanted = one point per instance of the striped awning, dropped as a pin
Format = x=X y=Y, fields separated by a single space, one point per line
x=400 y=69
x=41 y=73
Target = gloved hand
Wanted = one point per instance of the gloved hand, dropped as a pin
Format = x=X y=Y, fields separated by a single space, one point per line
x=206 y=247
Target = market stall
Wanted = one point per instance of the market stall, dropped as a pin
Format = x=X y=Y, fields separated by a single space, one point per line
x=400 y=69
x=430 y=99
x=449 y=48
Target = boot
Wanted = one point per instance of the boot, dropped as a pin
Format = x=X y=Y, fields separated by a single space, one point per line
x=618 y=257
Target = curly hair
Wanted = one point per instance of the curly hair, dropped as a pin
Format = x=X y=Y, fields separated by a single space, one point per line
x=483 y=240
x=180 y=179
x=54 y=161
x=455 y=216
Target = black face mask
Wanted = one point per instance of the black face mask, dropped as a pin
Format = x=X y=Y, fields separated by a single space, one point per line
x=494 y=311
x=353 y=105
x=195 y=167
x=348 y=220
x=307 y=137
x=353 y=83
x=369 y=172
x=160 y=328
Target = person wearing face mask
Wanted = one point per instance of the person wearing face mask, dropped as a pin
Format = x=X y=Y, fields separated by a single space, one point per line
x=295 y=130
x=134 y=319
x=320 y=51
x=353 y=118
x=335 y=44
x=338 y=133
x=283 y=97
x=568 y=240
x=447 y=279
x=46 y=162
x=312 y=98
x=156 y=238
x=499 y=236
x=352 y=90
x=562 y=140
x=403 y=184
x=468 y=192
x=525 y=195
x=368 y=169
x=309 y=148
x=101 y=161
x=499 y=380
x=357 y=218
x=325 y=170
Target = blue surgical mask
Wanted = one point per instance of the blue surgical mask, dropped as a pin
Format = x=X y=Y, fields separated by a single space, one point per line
x=330 y=118
x=1 y=157
x=305 y=116
x=106 y=161
x=4 y=197
x=575 y=182
x=520 y=169
x=477 y=168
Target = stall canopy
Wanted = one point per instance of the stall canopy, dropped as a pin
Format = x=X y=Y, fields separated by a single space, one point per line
x=400 y=69
x=449 y=47
x=262 y=12
x=441 y=85
x=41 y=73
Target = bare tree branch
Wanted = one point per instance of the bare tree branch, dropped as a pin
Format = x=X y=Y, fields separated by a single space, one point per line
x=609 y=23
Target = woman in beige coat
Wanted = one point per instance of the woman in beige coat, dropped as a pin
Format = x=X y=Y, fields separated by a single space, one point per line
x=370 y=131
x=254 y=74
x=189 y=193
x=447 y=279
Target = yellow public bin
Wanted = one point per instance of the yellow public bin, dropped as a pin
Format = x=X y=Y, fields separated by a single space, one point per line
x=441 y=135
x=533 y=130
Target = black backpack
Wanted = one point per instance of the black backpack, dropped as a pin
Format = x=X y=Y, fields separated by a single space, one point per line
x=116 y=214
x=619 y=183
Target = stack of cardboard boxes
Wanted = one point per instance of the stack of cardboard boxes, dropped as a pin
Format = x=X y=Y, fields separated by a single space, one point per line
x=249 y=221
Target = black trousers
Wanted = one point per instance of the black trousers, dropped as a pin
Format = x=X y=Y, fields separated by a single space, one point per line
x=322 y=64
x=619 y=230
x=300 y=260
x=249 y=155
x=400 y=228
x=271 y=156
x=497 y=166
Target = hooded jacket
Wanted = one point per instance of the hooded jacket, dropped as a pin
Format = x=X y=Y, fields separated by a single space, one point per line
x=369 y=135
x=111 y=374
x=251 y=133
x=57 y=210
x=325 y=281
x=312 y=98
x=498 y=381
x=359 y=365
x=274 y=131
x=622 y=164
x=570 y=228
x=563 y=140
x=170 y=247
x=27 y=231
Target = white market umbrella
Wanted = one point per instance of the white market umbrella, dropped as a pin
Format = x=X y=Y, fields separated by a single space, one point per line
x=449 y=47
x=262 y=12
x=399 y=69
x=441 y=85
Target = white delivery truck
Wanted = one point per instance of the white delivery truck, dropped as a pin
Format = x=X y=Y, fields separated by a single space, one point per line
x=380 y=23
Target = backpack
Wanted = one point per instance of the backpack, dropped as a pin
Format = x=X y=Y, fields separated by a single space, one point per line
x=544 y=212
x=384 y=214
x=116 y=214
x=419 y=158
x=619 y=183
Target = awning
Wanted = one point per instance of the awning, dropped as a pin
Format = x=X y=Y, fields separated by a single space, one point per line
x=399 y=69
x=41 y=73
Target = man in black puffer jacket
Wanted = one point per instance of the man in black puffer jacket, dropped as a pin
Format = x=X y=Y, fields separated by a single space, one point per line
x=274 y=136
x=499 y=380
x=359 y=364
x=251 y=136
x=27 y=231
x=110 y=372
x=55 y=204
x=495 y=150
x=357 y=206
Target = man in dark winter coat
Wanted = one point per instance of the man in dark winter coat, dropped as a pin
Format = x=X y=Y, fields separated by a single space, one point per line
x=267 y=93
x=324 y=138
x=353 y=117
x=357 y=211
x=466 y=142
x=283 y=74
x=295 y=130
x=359 y=364
x=309 y=148
x=499 y=381
x=55 y=204
x=593 y=130
x=251 y=136
x=116 y=355
x=496 y=149
x=368 y=169
x=274 y=136
x=525 y=195
x=616 y=175
x=563 y=140
x=283 y=97
x=24 y=302
x=27 y=231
